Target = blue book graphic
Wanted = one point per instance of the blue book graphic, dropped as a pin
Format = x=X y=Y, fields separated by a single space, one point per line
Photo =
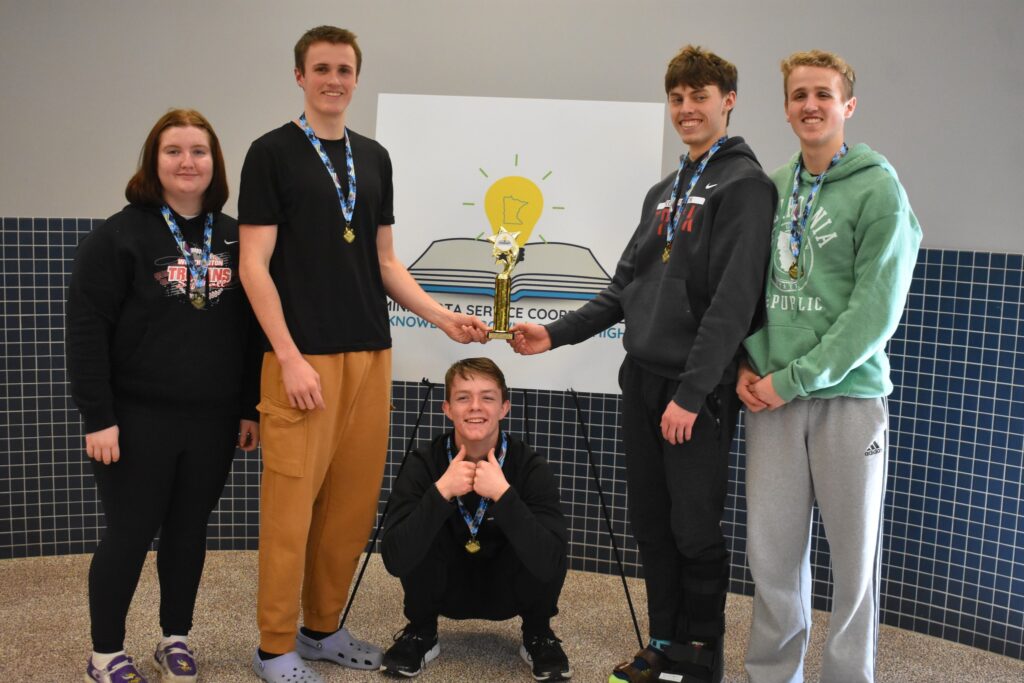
x=549 y=270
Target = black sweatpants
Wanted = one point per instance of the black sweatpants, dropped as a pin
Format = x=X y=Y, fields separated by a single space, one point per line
x=169 y=477
x=456 y=584
x=676 y=500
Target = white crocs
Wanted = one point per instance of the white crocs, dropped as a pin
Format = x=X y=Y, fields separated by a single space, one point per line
x=288 y=668
x=341 y=648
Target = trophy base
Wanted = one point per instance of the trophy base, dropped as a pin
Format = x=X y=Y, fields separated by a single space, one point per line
x=499 y=334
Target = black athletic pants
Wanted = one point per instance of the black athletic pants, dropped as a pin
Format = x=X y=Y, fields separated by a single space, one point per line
x=453 y=583
x=169 y=477
x=676 y=501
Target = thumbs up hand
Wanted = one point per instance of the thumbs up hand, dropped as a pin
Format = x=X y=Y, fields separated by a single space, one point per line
x=457 y=480
x=490 y=480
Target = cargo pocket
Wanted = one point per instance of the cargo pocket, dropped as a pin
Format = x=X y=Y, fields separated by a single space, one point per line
x=283 y=437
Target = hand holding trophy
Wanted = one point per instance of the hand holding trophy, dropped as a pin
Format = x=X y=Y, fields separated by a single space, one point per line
x=505 y=252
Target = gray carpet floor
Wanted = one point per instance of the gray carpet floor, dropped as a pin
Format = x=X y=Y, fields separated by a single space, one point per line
x=44 y=630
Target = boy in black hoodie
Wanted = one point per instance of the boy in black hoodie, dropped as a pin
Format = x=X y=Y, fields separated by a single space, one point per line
x=476 y=530
x=688 y=286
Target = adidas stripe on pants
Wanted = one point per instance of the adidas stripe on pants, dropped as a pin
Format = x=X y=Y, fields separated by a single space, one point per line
x=833 y=451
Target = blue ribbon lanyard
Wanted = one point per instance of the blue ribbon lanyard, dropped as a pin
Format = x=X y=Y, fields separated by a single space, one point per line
x=676 y=211
x=198 y=267
x=798 y=221
x=474 y=522
x=348 y=203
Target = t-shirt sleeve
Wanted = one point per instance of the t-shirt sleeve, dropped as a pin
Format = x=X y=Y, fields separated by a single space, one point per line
x=259 y=192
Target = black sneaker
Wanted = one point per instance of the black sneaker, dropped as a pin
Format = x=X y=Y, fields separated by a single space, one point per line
x=696 y=662
x=410 y=653
x=546 y=656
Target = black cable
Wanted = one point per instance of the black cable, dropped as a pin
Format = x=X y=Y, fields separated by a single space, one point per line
x=607 y=518
x=526 y=418
x=380 y=524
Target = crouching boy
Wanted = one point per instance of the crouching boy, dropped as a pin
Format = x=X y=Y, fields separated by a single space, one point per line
x=476 y=530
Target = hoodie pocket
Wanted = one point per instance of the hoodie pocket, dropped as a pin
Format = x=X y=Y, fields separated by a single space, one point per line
x=283 y=435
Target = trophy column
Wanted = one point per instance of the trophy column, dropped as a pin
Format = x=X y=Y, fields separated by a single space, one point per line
x=505 y=253
x=502 y=288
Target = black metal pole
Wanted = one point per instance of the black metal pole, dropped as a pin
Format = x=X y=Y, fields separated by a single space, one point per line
x=380 y=523
x=607 y=518
x=526 y=418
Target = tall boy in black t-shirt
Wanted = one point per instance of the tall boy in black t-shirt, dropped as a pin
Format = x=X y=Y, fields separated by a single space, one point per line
x=317 y=262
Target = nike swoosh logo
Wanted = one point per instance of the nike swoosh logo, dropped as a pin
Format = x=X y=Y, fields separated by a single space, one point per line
x=227 y=242
x=710 y=185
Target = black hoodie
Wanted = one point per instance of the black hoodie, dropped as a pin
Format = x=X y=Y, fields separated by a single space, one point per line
x=528 y=516
x=133 y=336
x=686 y=319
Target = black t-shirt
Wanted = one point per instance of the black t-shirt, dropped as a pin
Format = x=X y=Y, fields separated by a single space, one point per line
x=331 y=291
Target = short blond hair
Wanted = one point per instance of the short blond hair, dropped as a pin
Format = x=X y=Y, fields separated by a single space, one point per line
x=821 y=58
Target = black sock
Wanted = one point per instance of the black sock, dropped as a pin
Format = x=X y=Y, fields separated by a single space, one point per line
x=264 y=656
x=315 y=635
x=542 y=630
x=426 y=628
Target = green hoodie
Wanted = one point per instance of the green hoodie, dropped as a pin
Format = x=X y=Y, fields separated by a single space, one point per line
x=825 y=332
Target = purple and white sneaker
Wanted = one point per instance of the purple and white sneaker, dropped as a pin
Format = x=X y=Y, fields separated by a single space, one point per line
x=121 y=669
x=176 y=662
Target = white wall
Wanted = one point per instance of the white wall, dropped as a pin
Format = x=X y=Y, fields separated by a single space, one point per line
x=939 y=91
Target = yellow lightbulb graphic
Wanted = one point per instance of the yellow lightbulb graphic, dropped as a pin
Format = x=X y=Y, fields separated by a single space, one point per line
x=516 y=203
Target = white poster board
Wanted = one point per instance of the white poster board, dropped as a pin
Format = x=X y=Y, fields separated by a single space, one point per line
x=568 y=176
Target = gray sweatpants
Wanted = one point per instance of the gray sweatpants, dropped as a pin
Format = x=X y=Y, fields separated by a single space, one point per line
x=834 y=451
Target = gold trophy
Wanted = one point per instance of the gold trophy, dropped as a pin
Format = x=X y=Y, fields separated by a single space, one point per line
x=505 y=253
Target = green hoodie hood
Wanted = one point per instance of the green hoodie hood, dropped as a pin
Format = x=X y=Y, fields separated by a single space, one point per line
x=857 y=159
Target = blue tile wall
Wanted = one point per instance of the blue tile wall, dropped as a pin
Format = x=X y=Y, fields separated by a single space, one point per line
x=953 y=563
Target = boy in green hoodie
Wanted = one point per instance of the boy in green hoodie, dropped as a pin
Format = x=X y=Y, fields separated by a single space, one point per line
x=845 y=241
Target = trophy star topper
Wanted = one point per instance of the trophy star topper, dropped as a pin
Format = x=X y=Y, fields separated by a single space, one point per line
x=506 y=246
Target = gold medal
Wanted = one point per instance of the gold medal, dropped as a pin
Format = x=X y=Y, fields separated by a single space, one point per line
x=198 y=300
x=349 y=234
x=666 y=253
x=472 y=546
x=794 y=271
